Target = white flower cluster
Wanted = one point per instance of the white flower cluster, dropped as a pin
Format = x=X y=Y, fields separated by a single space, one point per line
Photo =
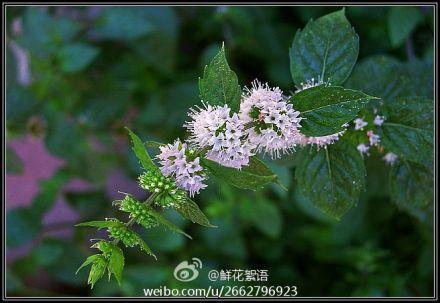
x=265 y=123
x=311 y=83
x=274 y=123
x=223 y=135
x=175 y=162
x=323 y=141
x=373 y=139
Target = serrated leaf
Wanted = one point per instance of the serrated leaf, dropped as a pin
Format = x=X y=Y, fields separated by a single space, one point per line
x=409 y=128
x=115 y=258
x=101 y=224
x=219 y=84
x=412 y=188
x=402 y=20
x=419 y=78
x=141 y=152
x=332 y=178
x=325 y=48
x=326 y=108
x=88 y=261
x=116 y=263
x=411 y=143
x=129 y=237
x=253 y=176
x=412 y=111
x=144 y=246
x=98 y=269
x=166 y=223
x=388 y=78
x=191 y=211
x=378 y=76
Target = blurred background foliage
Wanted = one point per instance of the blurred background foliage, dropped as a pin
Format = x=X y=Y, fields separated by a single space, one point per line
x=77 y=75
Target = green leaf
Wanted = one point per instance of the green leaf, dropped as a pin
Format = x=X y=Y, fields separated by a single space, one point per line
x=121 y=231
x=411 y=143
x=402 y=20
x=166 y=223
x=219 y=84
x=191 y=211
x=114 y=256
x=14 y=165
x=145 y=247
x=388 y=78
x=378 y=76
x=419 y=78
x=91 y=259
x=98 y=269
x=325 y=48
x=76 y=56
x=412 y=188
x=154 y=144
x=332 y=178
x=254 y=176
x=412 y=111
x=409 y=129
x=102 y=224
x=141 y=152
x=326 y=108
x=116 y=263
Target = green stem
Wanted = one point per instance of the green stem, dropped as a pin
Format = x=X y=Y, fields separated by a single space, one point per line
x=130 y=222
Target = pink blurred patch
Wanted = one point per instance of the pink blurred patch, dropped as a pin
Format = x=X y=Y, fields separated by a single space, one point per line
x=38 y=165
x=117 y=182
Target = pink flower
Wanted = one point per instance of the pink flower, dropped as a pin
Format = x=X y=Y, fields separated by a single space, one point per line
x=374 y=139
x=174 y=161
x=223 y=135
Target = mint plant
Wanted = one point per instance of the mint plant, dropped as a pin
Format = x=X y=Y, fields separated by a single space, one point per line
x=327 y=125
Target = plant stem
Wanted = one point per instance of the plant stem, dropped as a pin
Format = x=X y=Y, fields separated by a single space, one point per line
x=130 y=222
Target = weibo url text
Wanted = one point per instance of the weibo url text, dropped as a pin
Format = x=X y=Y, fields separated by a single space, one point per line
x=223 y=291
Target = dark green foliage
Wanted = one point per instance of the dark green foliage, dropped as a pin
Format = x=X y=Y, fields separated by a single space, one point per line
x=219 y=84
x=325 y=49
x=332 y=178
x=96 y=70
x=326 y=108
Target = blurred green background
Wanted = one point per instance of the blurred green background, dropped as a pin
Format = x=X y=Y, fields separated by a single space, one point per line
x=77 y=75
